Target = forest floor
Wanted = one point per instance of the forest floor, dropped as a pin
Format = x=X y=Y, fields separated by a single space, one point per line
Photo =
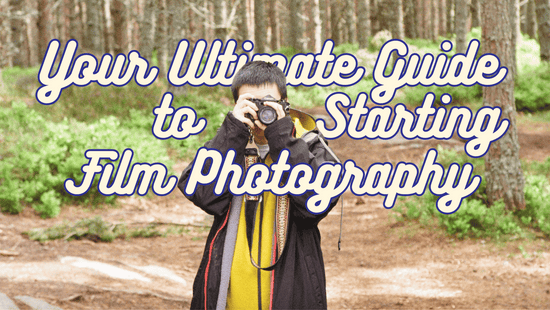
x=383 y=263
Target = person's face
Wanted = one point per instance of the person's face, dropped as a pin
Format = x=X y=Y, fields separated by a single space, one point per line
x=259 y=92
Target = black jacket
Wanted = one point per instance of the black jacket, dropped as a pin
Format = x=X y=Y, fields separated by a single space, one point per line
x=300 y=275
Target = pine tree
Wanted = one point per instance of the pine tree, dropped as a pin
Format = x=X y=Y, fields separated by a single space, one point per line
x=502 y=165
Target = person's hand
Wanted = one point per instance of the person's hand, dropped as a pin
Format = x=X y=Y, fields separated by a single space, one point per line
x=244 y=106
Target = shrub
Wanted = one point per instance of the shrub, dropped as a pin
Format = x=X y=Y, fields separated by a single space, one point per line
x=213 y=111
x=20 y=81
x=92 y=102
x=532 y=91
x=379 y=39
x=476 y=220
x=462 y=95
x=288 y=51
x=537 y=203
x=473 y=218
x=40 y=155
x=350 y=48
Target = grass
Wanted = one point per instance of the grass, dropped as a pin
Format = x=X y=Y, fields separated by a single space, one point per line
x=539 y=119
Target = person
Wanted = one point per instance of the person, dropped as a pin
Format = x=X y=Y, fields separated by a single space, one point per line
x=262 y=260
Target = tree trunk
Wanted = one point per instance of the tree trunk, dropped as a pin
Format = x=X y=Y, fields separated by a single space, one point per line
x=44 y=27
x=260 y=31
x=350 y=21
x=108 y=28
x=442 y=18
x=513 y=10
x=178 y=26
x=475 y=10
x=421 y=27
x=161 y=37
x=323 y=14
x=363 y=23
x=19 y=34
x=220 y=19
x=273 y=24
x=386 y=15
x=334 y=21
x=296 y=24
x=317 y=22
x=146 y=43
x=92 y=41
x=435 y=20
x=450 y=17
x=73 y=22
x=461 y=24
x=409 y=15
x=374 y=11
x=502 y=165
x=428 y=31
x=543 y=19
x=32 y=33
x=396 y=9
x=5 y=35
x=531 y=19
x=120 y=29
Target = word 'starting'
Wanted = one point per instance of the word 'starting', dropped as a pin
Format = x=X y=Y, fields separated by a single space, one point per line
x=376 y=122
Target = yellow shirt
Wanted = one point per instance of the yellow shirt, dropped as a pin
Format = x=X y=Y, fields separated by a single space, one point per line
x=243 y=286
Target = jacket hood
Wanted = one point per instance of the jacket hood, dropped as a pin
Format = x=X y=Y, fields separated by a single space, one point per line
x=303 y=121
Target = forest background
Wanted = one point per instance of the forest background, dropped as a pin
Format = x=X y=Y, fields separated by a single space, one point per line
x=42 y=146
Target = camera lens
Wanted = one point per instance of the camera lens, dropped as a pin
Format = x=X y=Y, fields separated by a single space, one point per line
x=267 y=115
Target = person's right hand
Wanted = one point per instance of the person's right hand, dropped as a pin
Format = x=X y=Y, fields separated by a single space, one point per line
x=244 y=106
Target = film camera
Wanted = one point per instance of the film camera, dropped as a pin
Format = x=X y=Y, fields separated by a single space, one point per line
x=266 y=114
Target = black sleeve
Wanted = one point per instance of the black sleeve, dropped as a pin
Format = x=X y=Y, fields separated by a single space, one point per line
x=313 y=152
x=232 y=134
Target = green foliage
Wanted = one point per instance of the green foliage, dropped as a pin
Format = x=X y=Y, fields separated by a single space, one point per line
x=93 y=102
x=97 y=229
x=528 y=54
x=532 y=89
x=50 y=204
x=350 y=48
x=20 y=81
x=462 y=95
x=307 y=97
x=288 y=51
x=205 y=106
x=537 y=203
x=474 y=218
x=538 y=168
x=39 y=155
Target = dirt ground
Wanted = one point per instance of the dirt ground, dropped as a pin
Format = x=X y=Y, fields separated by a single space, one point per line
x=382 y=263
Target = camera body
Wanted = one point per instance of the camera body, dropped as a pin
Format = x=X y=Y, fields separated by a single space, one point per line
x=266 y=114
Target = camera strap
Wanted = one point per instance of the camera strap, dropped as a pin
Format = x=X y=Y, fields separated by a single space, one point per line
x=252 y=204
